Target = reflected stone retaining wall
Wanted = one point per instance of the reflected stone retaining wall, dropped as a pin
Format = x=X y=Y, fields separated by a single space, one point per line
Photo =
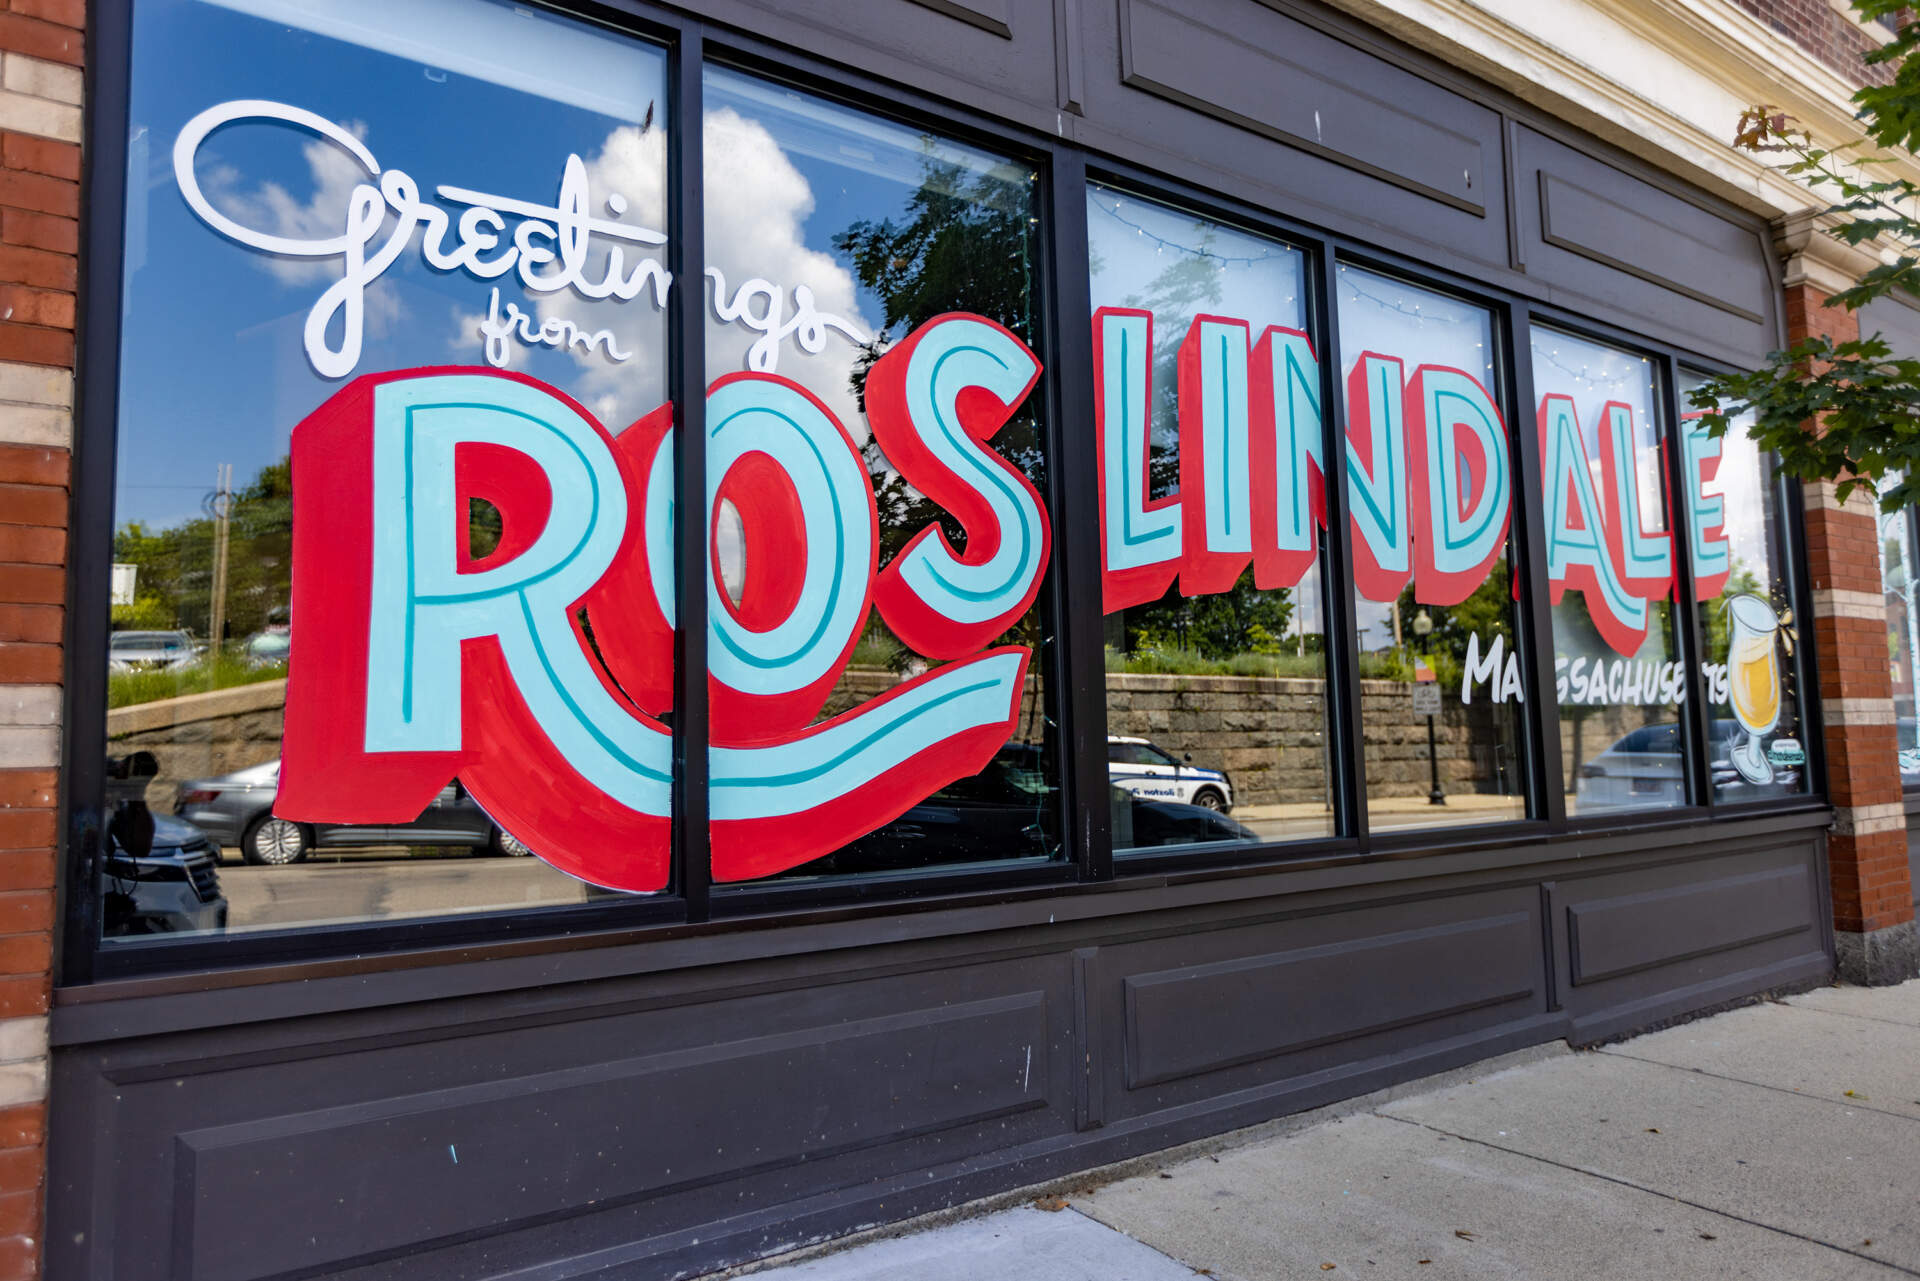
x=1269 y=733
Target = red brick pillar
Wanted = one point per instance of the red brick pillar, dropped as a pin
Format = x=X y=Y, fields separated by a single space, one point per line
x=40 y=102
x=1873 y=920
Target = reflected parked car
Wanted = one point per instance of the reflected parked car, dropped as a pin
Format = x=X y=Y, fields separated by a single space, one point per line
x=1150 y=771
x=172 y=888
x=1009 y=810
x=159 y=874
x=1172 y=823
x=1644 y=769
x=150 y=651
x=265 y=648
x=236 y=810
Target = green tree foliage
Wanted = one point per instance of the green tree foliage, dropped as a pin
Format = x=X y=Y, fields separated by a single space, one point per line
x=1718 y=627
x=1242 y=620
x=1866 y=401
x=174 y=582
x=964 y=243
x=1487 y=613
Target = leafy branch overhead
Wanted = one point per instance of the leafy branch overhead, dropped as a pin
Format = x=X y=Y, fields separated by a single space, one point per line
x=1863 y=401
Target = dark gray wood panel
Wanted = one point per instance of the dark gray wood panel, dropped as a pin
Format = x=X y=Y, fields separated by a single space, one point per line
x=1741 y=916
x=988 y=15
x=1611 y=937
x=422 y=1134
x=1254 y=68
x=994 y=55
x=1651 y=259
x=1204 y=1017
x=624 y=1121
x=1267 y=108
x=461 y=1158
x=1245 y=1006
x=1913 y=836
x=1711 y=261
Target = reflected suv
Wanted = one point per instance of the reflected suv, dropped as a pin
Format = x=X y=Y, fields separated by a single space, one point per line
x=1643 y=769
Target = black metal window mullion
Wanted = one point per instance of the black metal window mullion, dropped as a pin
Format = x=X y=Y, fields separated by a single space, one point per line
x=1547 y=771
x=1792 y=505
x=1345 y=729
x=687 y=386
x=1693 y=706
x=90 y=541
x=1079 y=669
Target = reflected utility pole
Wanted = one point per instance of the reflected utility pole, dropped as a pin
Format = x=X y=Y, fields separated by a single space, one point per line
x=222 y=515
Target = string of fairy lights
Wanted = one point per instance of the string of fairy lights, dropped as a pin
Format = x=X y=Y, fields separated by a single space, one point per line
x=1162 y=244
x=1587 y=377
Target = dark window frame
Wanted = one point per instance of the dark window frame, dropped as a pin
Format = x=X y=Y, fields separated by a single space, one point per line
x=1912 y=518
x=691 y=903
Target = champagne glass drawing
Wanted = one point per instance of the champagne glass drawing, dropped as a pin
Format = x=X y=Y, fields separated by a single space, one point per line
x=1753 y=682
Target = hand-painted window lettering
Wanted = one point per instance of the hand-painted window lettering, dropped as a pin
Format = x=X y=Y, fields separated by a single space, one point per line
x=481 y=669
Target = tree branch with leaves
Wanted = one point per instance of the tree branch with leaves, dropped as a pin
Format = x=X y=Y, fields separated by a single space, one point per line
x=1847 y=411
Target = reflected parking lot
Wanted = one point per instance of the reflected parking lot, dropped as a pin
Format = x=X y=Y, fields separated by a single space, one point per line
x=388 y=881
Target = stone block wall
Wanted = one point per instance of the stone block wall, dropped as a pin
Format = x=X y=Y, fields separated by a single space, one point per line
x=201 y=735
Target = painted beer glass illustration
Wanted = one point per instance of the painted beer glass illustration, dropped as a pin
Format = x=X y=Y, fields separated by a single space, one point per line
x=1753 y=681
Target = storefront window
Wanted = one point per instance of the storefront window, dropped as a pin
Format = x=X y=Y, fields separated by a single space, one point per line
x=1903 y=626
x=317 y=192
x=1208 y=396
x=877 y=476
x=1430 y=490
x=1618 y=672
x=1741 y=579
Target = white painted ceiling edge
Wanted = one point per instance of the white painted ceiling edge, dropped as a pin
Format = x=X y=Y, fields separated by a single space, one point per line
x=1665 y=80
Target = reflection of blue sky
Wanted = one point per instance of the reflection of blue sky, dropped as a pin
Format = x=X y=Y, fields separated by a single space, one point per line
x=1391 y=318
x=1134 y=241
x=1140 y=247
x=787 y=172
x=1742 y=483
x=212 y=366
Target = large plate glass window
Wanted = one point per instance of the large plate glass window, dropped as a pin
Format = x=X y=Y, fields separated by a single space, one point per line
x=876 y=470
x=1903 y=628
x=1743 y=580
x=1430 y=467
x=1207 y=390
x=318 y=192
x=1618 y=672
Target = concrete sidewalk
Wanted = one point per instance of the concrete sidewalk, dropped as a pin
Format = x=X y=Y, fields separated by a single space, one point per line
x=1781 y=1140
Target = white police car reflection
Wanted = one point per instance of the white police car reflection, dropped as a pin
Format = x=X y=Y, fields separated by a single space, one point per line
x=1151 y=772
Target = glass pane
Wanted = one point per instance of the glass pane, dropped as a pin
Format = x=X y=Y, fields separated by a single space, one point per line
x=1903 y=627
x=1216 y=656
x=876 y=466
x=425 y=185
x=1742 y=577
x=1430 y=487
x=1616 y=657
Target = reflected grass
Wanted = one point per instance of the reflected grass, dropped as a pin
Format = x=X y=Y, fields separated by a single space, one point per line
x=223 y=671
x=1172 y=661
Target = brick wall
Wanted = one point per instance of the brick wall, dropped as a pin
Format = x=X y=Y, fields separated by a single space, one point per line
x=40 y=89
x=1823 y=31
x=1867 y=852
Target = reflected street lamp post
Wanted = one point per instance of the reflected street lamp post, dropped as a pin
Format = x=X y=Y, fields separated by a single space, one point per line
x=1423 y=628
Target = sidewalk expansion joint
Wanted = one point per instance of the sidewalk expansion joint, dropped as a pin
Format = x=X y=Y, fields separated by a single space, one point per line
x=1851 y=1105
x=1665 y=1196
